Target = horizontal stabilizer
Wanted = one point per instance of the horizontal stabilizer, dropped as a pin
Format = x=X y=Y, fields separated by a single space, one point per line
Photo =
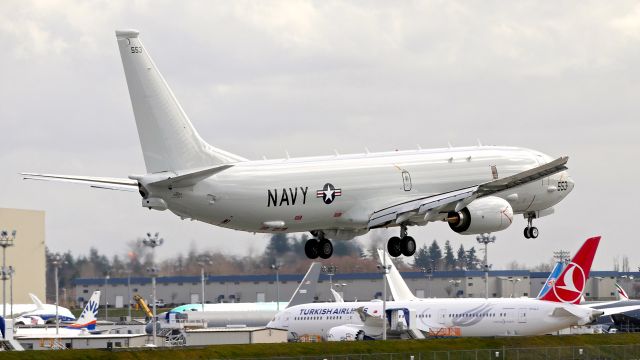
x=93 y=181
x=190 y=177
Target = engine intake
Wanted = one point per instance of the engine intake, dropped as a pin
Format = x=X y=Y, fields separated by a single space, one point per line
x=483 y=215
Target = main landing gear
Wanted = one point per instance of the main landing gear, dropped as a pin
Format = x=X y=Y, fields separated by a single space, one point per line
x=319 y=247
x=530 y=232
x=403 y=245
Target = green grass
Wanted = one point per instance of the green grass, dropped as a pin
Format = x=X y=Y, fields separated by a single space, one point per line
x=333 y=348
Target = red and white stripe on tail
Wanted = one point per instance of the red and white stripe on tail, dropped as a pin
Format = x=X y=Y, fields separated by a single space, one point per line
x=570 y=285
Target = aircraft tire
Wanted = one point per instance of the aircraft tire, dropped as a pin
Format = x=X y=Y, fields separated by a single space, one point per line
x=394 y=247
x=325 y=249
x=526 y=233
x=408 y=246
x=533 y=232
x=311 y=248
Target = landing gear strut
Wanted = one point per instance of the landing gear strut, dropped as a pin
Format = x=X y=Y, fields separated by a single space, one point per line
x=403 y=245
x=319 y=247
x=530 y=232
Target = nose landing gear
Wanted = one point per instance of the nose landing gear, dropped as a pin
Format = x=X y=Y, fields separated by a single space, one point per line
x=320 y=247
x=403 y=245
x=530 y=232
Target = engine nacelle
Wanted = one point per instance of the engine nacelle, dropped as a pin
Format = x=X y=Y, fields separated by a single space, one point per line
x=483 y=215
x=345 y=333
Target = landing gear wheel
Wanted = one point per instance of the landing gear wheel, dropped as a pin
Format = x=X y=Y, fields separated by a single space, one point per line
x=533 y=232
x=311 y=248
x=526 y=233
x=394 y=247
x=325 y=249
x=408 y=246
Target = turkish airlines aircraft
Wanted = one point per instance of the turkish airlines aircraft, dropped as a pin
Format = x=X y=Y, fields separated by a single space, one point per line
x=475 y=189
x=556 y=310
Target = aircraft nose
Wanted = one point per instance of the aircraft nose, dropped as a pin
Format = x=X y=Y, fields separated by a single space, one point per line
x=570 y=184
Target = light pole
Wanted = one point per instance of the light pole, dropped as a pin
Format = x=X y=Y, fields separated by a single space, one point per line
x=153 y=242
x=276 y=266
x=6 y=241
x=10 y=273
x=486 y=239
x=203 y=260
x=330 y=270
x=56 y=261
x=129 y=292
x=384 y=270
x=106 y=296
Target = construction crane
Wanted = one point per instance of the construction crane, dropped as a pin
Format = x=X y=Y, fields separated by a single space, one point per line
x=143 y=305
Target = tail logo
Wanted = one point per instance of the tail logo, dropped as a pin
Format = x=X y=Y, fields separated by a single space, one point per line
x=569 y=288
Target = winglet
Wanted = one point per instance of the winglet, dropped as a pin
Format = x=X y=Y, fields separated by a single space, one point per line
x=570 y=285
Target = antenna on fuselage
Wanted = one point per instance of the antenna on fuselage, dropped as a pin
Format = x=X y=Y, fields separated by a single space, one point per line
x=449 y=144
x=286 y=152
x=479 y=142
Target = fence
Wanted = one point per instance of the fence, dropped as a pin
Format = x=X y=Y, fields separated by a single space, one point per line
x=603 y=352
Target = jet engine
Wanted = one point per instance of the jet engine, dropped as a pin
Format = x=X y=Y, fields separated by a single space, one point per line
x=487 y=214
x=345 y=333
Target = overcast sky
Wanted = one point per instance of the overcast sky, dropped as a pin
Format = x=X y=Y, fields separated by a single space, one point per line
x=261 y=78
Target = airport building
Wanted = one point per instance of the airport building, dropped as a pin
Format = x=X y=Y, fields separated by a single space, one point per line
x=176 y=290
x=26 y=254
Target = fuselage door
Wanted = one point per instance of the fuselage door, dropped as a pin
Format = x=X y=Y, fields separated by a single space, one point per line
x=441 y=315
x=522 y=315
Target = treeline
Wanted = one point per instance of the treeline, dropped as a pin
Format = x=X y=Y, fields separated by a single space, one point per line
x=285 y=250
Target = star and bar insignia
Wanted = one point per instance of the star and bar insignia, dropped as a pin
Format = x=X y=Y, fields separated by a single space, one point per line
x=328 y=193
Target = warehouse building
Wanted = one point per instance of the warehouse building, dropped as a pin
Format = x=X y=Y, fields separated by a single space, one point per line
x=174 y=290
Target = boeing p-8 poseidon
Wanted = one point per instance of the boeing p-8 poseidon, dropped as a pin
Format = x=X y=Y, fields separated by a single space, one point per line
x=474 y=189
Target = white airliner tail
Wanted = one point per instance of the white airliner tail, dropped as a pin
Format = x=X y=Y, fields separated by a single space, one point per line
x=88 y=318
x=399 y=289
x=36 y=301
x=169 y=140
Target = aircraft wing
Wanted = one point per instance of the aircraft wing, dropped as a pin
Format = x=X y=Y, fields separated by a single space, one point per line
x=615 y=307
x=93 y=181
x=428 y=206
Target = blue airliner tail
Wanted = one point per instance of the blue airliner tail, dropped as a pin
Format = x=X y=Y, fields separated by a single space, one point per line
x=553 y=276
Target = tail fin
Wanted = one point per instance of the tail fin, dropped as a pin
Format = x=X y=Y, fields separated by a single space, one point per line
x=570 y=285
x=306 y=291
x=621 y=293
x=39 y=305
x=553 y=277
x=88 y=318
x=399 y=289
x=169 y=141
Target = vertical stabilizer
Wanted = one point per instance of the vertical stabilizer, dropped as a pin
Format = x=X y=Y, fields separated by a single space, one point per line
x=569 y=286
x=169 y=141
x=399 y=289
x=553 y=276
x=88 y=318
x=36 y=301
x=306 y=291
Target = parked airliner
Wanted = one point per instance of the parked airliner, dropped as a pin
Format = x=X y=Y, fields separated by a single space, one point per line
x=474 y=189
x=556 y=310
x=37 y=313
x=85 y=325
